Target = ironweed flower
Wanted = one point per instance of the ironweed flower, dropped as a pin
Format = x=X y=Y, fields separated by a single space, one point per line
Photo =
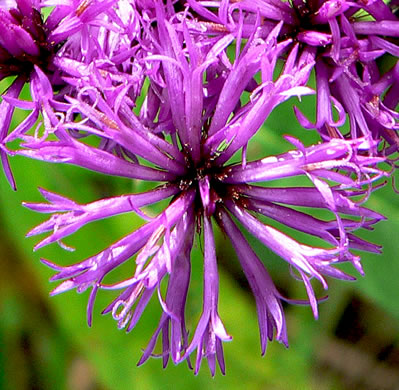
x=23 y=48
x=27 y=52
x=89 y=64
x=46 y=52
x=187 y=134
x=345 y=39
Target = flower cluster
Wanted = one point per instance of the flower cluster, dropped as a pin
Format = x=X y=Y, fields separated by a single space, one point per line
x=162 y=87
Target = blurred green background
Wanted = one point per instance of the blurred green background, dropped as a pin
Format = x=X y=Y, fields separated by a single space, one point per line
x=45 y=342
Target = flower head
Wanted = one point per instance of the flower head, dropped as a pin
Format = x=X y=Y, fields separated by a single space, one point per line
x=174 y=95
x=35 y=50
x=345 y=39
x=190 y=126
x=23 y=46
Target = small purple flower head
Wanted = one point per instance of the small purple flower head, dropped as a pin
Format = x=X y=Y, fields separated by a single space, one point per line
x=23 y=46
x=350 y=84
x=34 y=49
x=187 y=134
x=346 y=40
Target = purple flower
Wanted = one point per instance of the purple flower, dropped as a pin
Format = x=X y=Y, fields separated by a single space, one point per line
x=190 y=126
x=345 y=39
x=36 y=51
x=23 y=46
x=348 y=80
x=27 y=53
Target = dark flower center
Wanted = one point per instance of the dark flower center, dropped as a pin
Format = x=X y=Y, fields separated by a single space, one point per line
x=307 y=19
x=196 y=175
